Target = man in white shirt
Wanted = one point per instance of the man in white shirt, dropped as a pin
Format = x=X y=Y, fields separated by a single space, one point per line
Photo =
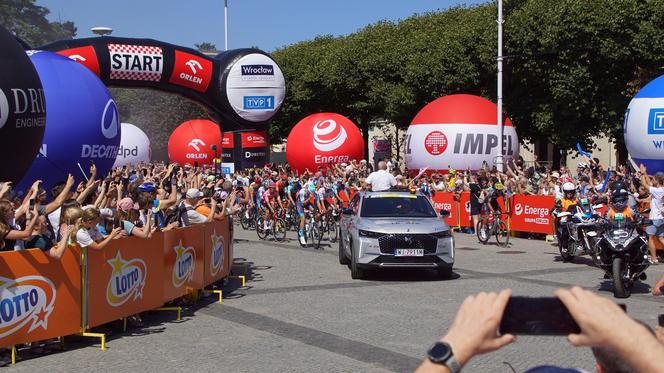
x=192 y=200
x=656 y=230
x=381 y=180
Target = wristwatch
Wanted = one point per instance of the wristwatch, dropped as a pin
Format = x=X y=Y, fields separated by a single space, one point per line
x=441 y=353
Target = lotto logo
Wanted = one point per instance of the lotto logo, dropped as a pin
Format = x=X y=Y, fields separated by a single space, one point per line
x=656 y=122
x=435 y=143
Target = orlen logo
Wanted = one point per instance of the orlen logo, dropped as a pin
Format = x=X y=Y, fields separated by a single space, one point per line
x=217 y=254
x=185 y=263
x=195 y=144
x=435 y=143
x=191 y=71
x=86 y=56
x=328 y=135
x=109 y=120
x=518 y=209
x=25 y=300
x=127 y=280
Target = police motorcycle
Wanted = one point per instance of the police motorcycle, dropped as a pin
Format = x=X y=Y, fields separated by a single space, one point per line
x=621 y=245
x=573 y=225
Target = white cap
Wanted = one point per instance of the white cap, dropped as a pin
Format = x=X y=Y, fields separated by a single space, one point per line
x=194 y=193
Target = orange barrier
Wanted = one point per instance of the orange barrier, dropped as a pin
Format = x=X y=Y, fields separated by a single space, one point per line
x=526 y=213
x=124 y=279
x=40 y=297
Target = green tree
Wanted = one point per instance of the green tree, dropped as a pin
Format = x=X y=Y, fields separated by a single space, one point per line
x=206 y=47
x=28 y=21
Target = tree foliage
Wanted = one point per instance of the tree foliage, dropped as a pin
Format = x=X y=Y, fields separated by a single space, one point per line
x=571 y=66
x=28 y=21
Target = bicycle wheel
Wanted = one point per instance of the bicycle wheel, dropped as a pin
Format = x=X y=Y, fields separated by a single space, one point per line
x=279 y=230
x=483 y=231
x=502 y=234
x=260 y=228
x=245 y=219
x=332 y=231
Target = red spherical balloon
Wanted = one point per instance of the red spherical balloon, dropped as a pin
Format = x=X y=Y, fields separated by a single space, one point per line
x=192 y=142
x=322 y=138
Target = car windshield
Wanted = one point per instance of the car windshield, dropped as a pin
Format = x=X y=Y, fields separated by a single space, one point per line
x=396 y=206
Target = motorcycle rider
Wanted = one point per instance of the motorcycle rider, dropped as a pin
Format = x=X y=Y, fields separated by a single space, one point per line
x=569 y=196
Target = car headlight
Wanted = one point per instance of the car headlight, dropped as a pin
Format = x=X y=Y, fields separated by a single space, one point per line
x=443 y=234
x=369 y=234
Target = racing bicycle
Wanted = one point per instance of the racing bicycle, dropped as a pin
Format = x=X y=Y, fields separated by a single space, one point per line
x=493 y=225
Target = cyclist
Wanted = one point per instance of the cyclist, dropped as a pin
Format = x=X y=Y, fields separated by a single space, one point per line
x=302 y=202
x=269 y=197
x=497 y=193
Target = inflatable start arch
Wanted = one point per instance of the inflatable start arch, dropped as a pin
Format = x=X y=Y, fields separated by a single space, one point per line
x=241 y=87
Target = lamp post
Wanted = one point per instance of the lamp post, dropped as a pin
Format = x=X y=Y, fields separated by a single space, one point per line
x=501 y=129
x=225 y=25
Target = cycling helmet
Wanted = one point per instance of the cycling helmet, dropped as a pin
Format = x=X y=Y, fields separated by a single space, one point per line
x=569 y=190
x=272 y=184
x=498 y=186
x=147 y=187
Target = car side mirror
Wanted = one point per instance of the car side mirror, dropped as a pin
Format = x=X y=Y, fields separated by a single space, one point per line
x=347 y=212
x=444 y=213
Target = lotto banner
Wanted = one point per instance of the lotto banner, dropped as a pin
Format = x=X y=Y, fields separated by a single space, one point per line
x=532 y=213
x=183 y=256
x=217 y=252
x=40 y=297
x=124 y=278
x=445 y=201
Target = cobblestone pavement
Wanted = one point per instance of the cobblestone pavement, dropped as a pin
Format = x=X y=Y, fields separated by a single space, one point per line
x=301 y=312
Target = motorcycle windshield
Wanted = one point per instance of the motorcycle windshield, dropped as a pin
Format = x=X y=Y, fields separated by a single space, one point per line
x=620 y=228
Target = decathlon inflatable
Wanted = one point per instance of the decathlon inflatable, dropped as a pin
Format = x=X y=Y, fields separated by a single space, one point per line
x=241 y=88
x=459 y=132
x=644 y=126
x=22 y=110
x=321 y=139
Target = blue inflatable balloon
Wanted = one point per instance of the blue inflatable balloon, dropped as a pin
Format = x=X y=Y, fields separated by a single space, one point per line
x=82 y=123
x=644 y=126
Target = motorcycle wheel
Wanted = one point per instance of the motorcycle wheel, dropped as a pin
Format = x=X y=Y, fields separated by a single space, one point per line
x=564 y=252
x=620 y=288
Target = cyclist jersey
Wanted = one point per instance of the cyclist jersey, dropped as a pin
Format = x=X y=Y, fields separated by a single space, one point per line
x=320 y=194
x=493 y=201
x=269 y=196
x=566 y=203
x=302 y=197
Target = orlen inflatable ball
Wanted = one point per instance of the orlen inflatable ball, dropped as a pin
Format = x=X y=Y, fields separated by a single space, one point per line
x=644 y=126
x=82 y=125
x=457 y=131
x=192 y=142
x=22 y=110
x=321 y=139
x=134 y=147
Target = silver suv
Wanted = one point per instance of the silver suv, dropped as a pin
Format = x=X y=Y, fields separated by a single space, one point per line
x=394 y=229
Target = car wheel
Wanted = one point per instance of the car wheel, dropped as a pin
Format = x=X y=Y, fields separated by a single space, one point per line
x=343 y=259
x=356 y=273
x=444 y=272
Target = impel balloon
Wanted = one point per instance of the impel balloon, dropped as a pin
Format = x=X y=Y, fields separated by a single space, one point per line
x=460 y=132
x=83 y=123
x=644 y=126
x=134 y=147
x=192 y=142
x=321 y=139
x=22 y=110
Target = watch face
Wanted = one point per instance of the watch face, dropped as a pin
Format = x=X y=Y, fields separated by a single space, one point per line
x=440 y=352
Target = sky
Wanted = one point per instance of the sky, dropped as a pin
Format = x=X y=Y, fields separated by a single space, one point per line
x=266 y=24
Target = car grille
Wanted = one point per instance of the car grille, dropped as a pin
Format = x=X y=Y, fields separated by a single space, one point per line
x=390 y=242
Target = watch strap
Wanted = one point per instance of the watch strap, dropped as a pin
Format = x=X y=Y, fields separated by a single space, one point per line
x=453 y=365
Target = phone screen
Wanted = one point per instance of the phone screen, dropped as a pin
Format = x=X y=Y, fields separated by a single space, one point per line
x=537 y=316
x=116 y=223
x=32 y=204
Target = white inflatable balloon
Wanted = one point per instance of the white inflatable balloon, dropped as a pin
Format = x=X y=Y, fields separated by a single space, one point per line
x=644 y=126
x=134 y=146
x=457 y=132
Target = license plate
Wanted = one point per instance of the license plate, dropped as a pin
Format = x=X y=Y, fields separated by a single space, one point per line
x=409 y=252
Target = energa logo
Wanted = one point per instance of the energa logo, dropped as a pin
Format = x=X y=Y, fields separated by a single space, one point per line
x=217 y=254
x=25 y=301
x=127 y=280
x=185 y=262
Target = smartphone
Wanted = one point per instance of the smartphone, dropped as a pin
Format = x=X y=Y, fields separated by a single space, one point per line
x=660 y=320
x=116 y=222
x=537 y=316
x=32 y=204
